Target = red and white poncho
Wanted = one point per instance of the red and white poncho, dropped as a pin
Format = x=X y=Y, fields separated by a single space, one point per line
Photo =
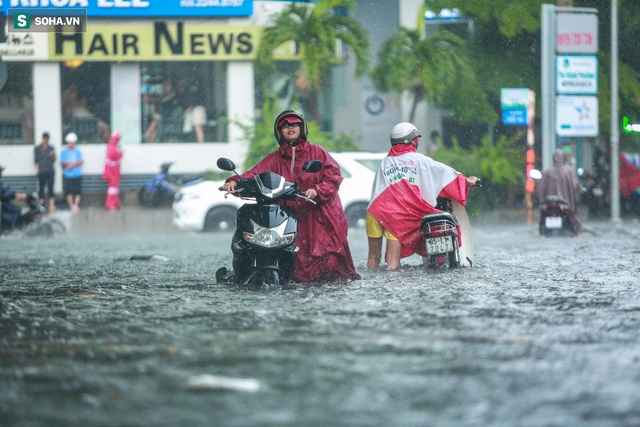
x=405 y=189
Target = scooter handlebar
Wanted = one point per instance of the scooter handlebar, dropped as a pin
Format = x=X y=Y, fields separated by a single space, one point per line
x=302 y=196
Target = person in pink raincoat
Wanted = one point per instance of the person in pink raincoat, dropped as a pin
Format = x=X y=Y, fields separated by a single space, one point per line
x=405 y=188
x=324 y=254
x=112 y=172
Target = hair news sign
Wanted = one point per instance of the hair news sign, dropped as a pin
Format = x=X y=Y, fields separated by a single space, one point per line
x=162 y=41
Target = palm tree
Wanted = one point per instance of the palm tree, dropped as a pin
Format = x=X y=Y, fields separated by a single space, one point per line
x=437 y=68
x=315 y=32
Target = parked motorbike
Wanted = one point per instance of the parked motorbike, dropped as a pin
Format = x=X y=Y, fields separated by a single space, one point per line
x=35 y=221
x=163 y=186
x=447 y=236
x=596 y=195
x=263 y=244
x=554 y=217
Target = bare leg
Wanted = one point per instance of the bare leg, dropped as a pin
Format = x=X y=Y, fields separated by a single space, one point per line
x=70 y=201
x=394 y=250
x=199 y=133
x=375 y=252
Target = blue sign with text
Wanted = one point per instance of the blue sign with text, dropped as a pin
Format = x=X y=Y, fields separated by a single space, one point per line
x=140 y=8
x=514 y=116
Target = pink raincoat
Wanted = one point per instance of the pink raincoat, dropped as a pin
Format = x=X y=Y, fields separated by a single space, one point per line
x=324 y=254
x=112 y=172
x=405 y=189
x=629 y=178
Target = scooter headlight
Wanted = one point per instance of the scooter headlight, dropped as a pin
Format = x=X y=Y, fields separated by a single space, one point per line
x=269 y=237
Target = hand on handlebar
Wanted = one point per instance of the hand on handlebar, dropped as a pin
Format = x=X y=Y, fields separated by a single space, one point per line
x=473 y=181
x=229 y=186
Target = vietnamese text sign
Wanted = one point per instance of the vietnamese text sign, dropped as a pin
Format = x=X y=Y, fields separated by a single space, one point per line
x=577 y=33
x=139 y=8
x=577 y=115
x=577 y=74
x=515 y=103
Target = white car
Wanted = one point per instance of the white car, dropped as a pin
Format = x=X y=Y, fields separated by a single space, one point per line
x=203 y=207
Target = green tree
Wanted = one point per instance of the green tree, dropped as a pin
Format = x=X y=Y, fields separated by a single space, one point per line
x=263 y=141
x=506 y=50
x=435 y=68
x=316 y=31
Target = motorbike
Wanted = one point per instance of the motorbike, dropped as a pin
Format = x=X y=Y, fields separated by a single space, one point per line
x=447 y=236
x=263 y=244
x=163 y=186
x=35 y=221
x=596 y=195
x=554 y=217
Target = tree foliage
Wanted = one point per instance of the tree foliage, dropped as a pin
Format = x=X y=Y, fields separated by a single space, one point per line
x=316 y=31
x=499 y=165
x=263 y=142
x=437 y=68
x=506 y=51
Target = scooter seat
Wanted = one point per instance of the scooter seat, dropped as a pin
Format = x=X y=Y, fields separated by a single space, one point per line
x=438 y=217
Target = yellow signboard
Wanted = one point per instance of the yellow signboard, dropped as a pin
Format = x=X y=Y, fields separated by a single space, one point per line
x=161 y=41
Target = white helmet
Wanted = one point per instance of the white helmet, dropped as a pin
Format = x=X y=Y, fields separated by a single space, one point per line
x=71 y=137
x=403 y=133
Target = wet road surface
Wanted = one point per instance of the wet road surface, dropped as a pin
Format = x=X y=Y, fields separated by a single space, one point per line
x=543 y=332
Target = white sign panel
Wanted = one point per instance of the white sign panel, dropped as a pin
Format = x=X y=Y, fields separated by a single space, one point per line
x=24 y=46
x=577 y=115
x=577 y=74
x=577 y=33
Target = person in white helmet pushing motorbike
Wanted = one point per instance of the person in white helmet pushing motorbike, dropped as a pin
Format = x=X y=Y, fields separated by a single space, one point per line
x=405 y=188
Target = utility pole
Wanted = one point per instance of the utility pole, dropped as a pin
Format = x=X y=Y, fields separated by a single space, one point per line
x=615 y=131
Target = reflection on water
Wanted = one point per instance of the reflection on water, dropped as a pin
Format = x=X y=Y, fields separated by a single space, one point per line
x=542 y=332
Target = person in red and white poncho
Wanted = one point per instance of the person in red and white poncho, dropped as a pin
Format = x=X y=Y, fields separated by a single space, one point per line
x=405 y=188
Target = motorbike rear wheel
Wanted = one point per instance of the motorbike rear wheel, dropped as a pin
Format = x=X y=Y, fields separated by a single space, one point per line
x=150 y=198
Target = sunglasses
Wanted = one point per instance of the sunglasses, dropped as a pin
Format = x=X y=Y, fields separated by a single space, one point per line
x=290 y=125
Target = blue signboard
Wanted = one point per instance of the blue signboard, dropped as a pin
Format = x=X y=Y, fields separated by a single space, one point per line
x=140 y=8
x=514 y=116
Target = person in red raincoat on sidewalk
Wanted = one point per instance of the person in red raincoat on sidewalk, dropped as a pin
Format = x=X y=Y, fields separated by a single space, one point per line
x=324 y=254
x=112 y=172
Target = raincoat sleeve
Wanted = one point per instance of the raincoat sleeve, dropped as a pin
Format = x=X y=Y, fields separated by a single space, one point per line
x=268 y=164
x=457 y=190
x=328 y=182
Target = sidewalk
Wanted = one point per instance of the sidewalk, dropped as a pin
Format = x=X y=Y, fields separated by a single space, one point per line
x=130 y=219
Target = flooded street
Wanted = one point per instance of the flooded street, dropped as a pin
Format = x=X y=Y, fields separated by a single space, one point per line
x=543 y=332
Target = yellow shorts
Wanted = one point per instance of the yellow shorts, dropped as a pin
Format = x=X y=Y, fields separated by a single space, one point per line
x=376 y=230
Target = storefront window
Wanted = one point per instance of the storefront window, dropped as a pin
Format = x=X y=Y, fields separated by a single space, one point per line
x=16 y=104
x=86 y=100
x=183 y=101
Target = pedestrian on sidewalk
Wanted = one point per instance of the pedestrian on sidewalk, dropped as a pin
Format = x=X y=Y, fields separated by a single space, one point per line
x=112 y=172
x=45 y=158
x=71 y=160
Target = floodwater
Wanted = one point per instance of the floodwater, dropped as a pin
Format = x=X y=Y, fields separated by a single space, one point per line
x=542 y=332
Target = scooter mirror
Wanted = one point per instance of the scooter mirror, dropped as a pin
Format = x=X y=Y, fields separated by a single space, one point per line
x=535 y=174
x=226 y=164
x=312 y=166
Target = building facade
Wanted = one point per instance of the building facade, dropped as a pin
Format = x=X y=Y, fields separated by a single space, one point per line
x=140 y=65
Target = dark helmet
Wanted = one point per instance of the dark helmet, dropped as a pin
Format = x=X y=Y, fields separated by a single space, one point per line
x=298 y=117
x=403 y=133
